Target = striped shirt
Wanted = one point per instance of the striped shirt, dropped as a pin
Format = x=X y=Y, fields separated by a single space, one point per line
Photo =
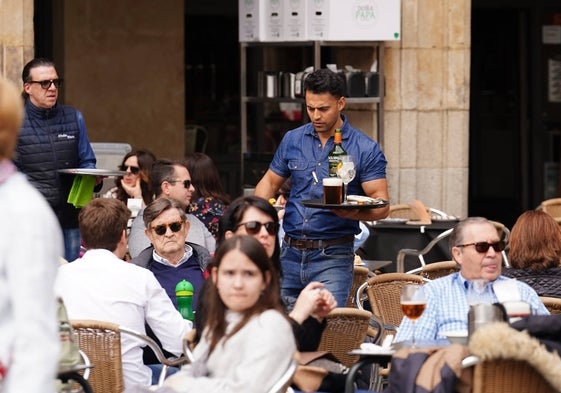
x=447 y=308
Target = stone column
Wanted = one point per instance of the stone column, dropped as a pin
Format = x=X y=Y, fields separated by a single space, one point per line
x=16 y=37
x=427 y=105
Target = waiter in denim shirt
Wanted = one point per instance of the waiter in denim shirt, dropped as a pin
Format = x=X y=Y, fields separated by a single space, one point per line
x=318 y=243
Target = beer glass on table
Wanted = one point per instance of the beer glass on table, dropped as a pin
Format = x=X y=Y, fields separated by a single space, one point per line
x=413 y=304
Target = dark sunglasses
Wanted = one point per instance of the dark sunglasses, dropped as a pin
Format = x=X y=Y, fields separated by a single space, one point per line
x=254 y=227
x=134 y=169
x=162 y=229
x=186 y=183
x=482 y=247
x=47 y=84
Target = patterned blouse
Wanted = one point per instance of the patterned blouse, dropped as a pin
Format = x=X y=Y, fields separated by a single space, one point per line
x=209 y=210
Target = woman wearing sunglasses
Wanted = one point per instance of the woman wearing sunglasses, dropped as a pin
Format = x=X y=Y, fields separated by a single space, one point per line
x=256 y=217
x=476 y=247
x=136 y=183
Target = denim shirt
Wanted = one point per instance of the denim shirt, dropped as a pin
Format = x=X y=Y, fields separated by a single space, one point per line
x=299 y=156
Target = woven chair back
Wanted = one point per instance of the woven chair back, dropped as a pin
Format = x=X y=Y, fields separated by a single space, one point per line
x=101 y=342
x=551 y=207
x=439 y=269
x=553 y=304
x=384 y=294
x=507 y=375
x=346 y=330
x=403 y=211
x=360 y=275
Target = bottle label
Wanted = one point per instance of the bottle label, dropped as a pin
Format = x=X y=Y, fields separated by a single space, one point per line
x=335 y=159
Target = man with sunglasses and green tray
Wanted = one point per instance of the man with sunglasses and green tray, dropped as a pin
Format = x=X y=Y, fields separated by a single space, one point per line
x=53 y=137
x=476 y=248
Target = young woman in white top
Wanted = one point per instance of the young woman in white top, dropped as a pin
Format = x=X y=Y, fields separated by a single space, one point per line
x=247 y=341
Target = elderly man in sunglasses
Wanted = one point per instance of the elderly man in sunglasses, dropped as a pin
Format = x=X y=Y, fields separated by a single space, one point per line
x=170 y=257
x=476 y=248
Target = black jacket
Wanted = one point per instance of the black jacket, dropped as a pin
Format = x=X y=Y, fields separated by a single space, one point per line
x=545 y=283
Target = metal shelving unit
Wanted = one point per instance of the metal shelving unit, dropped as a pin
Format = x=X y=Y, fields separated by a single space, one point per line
x=311 y=50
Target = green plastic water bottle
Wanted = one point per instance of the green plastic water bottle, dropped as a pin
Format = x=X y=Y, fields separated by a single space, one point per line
x=184 y=295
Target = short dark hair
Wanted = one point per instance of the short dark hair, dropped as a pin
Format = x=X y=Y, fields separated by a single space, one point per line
x=163 y=170
x=102 y=222
x=233 y=215
x=325 y=81
x=160 y=205
x=34 y=63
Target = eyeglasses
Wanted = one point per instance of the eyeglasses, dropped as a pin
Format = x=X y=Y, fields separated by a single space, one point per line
x=134 y=169
x=186 y=183
x=254 y=227
x=163 y=228
x=47 y=83
x=482 y=247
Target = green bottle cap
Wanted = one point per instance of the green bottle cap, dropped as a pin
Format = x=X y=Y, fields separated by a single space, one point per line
x=184 y=288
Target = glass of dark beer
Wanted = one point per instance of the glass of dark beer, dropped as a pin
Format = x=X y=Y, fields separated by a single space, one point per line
x=332 y=191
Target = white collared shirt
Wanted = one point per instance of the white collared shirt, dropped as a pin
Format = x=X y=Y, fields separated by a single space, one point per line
x=164 y=261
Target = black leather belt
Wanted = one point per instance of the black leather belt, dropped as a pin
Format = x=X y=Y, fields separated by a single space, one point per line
x=301 y=244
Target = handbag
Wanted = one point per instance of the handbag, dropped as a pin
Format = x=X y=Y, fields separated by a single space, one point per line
x=69 y=352
x=319 y=371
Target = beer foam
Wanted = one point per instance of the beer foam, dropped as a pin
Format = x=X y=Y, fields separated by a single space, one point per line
x=332 y=181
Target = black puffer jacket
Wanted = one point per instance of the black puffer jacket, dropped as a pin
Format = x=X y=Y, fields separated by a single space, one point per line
x=545 y=282
x=50 y=140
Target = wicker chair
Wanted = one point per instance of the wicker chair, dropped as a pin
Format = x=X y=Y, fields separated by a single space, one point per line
x=403 y=211
x=551 y=207
x=360 y=275
x=384 y=294
x=436 y=269
x=346 y=329
x=508 y=375
x=406 y=211
x=101 y=342
x=553 y=304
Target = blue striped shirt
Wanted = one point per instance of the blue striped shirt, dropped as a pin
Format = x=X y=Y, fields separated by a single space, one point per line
x=447 y=308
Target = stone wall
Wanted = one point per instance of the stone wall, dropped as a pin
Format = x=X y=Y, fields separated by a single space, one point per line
x=124 y=69
x=16 y=37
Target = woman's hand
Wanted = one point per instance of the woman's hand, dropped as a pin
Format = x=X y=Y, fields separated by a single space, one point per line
x=315 y=301
x=132 y=191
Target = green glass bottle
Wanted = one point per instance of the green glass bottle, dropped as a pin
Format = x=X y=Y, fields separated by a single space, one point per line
x=336 y=153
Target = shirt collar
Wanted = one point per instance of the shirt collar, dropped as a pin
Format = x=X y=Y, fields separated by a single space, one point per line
x=188 y=254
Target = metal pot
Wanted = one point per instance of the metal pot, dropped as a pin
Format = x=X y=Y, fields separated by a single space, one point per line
x=483 y=314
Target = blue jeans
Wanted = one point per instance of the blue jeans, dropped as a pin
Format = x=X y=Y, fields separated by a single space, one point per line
x=71 y=243
x=332 y=266
x=157 y=370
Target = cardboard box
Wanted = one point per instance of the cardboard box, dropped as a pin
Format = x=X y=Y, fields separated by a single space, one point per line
x=295 y=20
x=261 y=20
x=354 y=20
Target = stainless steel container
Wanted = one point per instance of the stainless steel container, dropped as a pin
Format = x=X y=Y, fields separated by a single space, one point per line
x=483 y=314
